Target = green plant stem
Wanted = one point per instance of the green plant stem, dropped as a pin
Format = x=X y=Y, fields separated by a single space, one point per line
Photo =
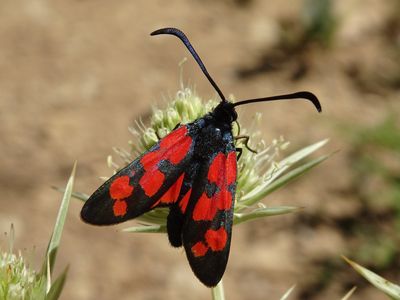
x=217 y=292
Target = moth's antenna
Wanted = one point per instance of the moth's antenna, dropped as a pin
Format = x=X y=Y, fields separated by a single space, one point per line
x=299 y=96
x=185 y=40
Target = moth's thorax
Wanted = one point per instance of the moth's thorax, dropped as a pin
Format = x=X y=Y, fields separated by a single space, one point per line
x=213 y=135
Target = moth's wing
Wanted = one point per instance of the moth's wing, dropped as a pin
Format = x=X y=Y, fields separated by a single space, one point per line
x=207 y=229
x=153 y=179
x=176 y=216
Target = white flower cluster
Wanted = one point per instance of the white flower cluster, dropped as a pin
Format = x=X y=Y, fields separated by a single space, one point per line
x=17 y=280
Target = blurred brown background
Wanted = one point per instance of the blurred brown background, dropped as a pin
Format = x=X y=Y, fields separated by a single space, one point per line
x=75 y=74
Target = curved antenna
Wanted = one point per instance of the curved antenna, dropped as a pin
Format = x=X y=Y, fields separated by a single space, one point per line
x=299 y=95
x=176 y=32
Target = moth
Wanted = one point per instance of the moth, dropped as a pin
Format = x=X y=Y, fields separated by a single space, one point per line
x=193 y=172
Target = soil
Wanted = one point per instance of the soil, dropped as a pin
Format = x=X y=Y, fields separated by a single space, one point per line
x=75 y=74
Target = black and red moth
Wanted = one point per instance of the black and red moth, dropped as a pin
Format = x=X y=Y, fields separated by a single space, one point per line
x=192 y=171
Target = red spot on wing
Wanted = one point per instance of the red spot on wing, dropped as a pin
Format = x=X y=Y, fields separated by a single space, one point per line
x=150 y=159
x=216 y=239
x=172 y=194
x=120 y=208
x=174 y=137
x=216 y=170
x=222 y=170
x=185 y=200
x=175 y=145
x=205 y=209
x=231 y=168
x=223 y=200
x=151 y=181
x=199 y=249
x=178 y=152
x=120 y=188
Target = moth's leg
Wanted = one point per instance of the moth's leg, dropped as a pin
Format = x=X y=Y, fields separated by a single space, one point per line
x=246 y=139
x=239 y=150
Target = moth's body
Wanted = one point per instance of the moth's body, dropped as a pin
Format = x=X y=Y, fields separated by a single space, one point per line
x=206 y=141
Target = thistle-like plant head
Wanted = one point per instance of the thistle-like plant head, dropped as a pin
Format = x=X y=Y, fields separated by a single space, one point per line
x=17 y=279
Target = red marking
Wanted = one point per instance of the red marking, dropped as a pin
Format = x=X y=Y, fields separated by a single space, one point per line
x=230 y=168
x=199 y=249
x=185 y=200
x=216 y=239
x=174 y=137
x=120 y=208
x=216 y=170
x=175 y=145
x=151 y=182
x=120 y=188
x=172 y=194
x=205 y=209
x=223 y=167
x=178 y=152
x=150 y=159
x=224 y=200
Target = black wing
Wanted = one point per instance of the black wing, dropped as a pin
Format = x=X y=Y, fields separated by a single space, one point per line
x=153 y=179
x=207 y=226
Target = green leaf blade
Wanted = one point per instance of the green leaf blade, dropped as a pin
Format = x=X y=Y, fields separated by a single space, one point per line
x=57 y=286
x=60 y=221
x=282 y=181
x=279 y=169
x=146 y=229
x=389 y=288
x=262 y=213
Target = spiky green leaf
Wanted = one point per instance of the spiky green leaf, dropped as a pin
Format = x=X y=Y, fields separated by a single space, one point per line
x=57 y=286
x=389 y=288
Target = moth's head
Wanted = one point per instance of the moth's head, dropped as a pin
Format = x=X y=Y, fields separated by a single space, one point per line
x=225 y=112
